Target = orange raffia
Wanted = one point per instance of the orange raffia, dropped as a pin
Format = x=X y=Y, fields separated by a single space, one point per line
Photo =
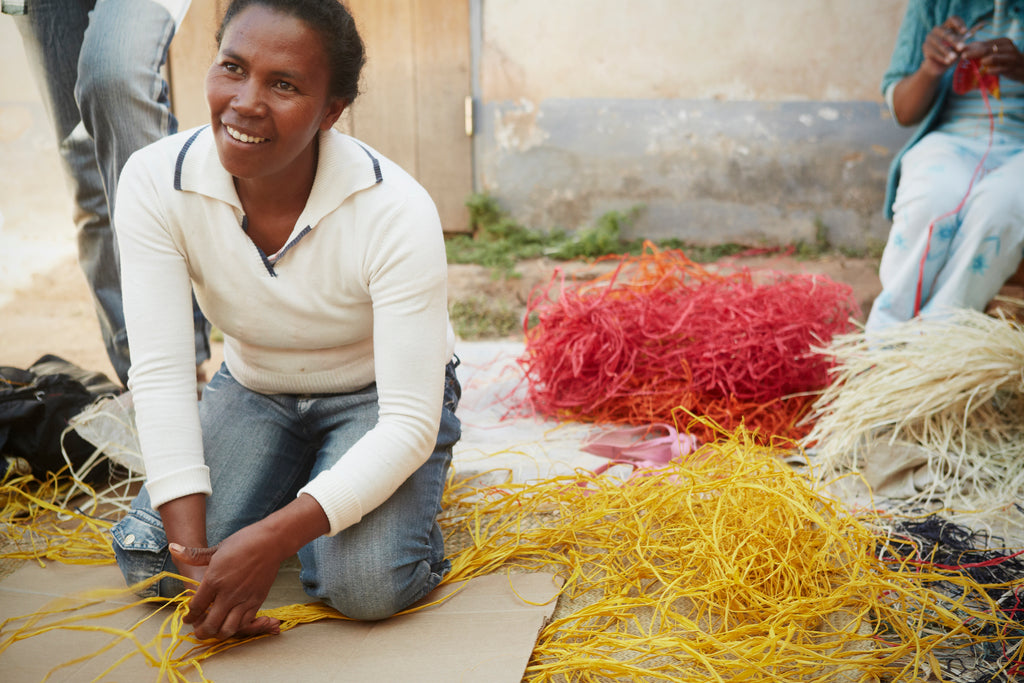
x=661 y=333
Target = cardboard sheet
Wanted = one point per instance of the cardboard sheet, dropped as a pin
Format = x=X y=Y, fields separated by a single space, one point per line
x=484 y=633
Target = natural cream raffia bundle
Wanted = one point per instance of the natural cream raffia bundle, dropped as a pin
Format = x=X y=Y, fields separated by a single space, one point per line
x=951 y=388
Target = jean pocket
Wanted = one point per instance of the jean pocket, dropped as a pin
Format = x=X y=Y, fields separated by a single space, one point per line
x=140 y=546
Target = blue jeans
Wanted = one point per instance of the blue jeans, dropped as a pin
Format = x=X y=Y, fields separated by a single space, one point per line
x=97 y=63
x=261 y=449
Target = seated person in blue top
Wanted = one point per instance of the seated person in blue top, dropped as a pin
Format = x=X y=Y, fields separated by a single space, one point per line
x=328 y=430
x=968 y=251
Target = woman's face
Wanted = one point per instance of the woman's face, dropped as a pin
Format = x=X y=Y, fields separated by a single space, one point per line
x=268 y=91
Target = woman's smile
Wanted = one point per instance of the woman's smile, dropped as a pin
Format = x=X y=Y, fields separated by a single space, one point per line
x=243 y=137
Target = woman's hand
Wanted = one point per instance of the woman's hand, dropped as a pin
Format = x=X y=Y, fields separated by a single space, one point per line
x=236 y=578
x=238 y=572
x=914 y=95
x=943 y=46
x=999 y=56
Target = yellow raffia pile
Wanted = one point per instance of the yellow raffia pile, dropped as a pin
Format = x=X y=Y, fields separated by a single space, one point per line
x=952 y=388
x=729 y=567
x=36 y=525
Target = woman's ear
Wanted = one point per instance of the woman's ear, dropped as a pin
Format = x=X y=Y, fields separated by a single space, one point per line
x=334 y=110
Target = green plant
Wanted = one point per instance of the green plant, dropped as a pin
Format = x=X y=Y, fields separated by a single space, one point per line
x=499 y=242
x=601 y=239
x=482 y=318
x=819 y=247
x=872 y=249
x=704 y=253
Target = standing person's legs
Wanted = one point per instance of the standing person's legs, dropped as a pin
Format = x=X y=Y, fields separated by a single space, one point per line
x=934 y=176
x=52 y=32
x=125 y=105
x=108 y=54
x=987 y=249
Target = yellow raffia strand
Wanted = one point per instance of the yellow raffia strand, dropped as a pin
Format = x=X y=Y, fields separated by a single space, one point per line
x=728 y=566
x=35 y=525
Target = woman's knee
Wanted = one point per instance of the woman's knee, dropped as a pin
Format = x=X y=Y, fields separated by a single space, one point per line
x=379 y=594
x=370 y=586
x=996 y=206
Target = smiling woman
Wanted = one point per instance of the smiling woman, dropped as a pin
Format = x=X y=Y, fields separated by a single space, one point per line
x=328 y=430
x=269 y=95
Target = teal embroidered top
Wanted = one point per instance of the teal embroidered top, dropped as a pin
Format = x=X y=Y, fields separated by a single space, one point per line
x=920 y=18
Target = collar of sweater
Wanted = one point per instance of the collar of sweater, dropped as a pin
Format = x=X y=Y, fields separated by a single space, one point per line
x=344 y=166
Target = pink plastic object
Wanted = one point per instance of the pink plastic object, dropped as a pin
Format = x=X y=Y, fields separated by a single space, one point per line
x=647 y=447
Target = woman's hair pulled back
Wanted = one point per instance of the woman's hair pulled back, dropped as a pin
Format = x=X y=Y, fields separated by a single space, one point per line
x=336 y=28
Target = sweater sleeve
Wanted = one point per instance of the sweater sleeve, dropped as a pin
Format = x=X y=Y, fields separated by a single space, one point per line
x=157 y=298
x=906 y=55
x=406 y=273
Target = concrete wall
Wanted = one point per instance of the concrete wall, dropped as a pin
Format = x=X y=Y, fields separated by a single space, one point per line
x=729 y=121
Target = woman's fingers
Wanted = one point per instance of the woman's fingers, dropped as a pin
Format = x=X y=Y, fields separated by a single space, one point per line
x=1003 y=57
x=197 y=557
x=239 y=621
x=943 y=45
x=955 y=24
x=260 y=626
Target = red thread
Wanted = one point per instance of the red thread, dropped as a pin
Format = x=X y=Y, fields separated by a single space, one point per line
x=961 y=85
x=661 y=333
x=958 y=567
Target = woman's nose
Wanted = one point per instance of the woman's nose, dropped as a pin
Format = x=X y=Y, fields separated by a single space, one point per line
x=248 y=99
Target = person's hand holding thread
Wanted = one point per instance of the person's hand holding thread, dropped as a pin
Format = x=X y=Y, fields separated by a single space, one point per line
x=943 y=46
x=236 y=579
x=999 y=57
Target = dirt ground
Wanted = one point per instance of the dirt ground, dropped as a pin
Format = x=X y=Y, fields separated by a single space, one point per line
x=54 y=314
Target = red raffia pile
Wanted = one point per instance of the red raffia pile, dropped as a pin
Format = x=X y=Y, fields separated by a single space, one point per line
x=661 y=333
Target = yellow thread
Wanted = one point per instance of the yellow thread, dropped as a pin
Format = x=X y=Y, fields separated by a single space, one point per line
x=729 y=566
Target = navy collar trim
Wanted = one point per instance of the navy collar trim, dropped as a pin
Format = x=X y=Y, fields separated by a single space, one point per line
x=181 y=157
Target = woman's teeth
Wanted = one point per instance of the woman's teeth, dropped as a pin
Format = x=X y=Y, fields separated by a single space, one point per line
x=242 y=137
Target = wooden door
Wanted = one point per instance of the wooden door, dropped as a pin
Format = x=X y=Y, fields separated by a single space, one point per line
x=413 y=94
x=192 y=52
x=412 y=105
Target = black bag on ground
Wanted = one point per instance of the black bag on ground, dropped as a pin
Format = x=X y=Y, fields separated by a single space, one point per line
x=36 y=406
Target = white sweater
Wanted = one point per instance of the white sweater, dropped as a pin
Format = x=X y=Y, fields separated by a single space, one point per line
x=357 y=295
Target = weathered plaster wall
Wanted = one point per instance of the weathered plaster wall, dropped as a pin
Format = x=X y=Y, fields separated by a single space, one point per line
x=728 y=121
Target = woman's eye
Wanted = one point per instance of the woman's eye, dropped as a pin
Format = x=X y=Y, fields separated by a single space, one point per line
x=285 y=85
x=233 y=68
